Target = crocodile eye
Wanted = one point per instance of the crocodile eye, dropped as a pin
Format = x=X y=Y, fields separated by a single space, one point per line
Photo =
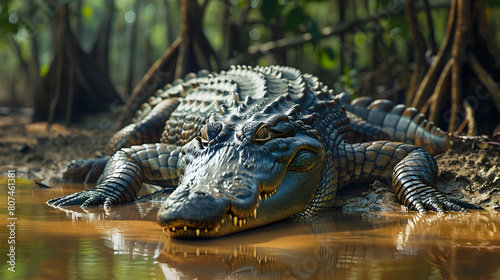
x=203 y=133
x=262 y=134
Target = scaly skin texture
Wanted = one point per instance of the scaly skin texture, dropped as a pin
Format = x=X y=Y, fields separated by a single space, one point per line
x=251 y=146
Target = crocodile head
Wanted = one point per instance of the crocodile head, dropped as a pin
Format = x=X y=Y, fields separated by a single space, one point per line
x=241 y=174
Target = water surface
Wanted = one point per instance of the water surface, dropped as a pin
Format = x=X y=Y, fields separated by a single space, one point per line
x=127 y=243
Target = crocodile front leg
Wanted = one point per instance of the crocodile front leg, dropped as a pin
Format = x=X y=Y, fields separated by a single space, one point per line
x=146 y=130
x=124 y=174
x=414 y=179
x=413 y=172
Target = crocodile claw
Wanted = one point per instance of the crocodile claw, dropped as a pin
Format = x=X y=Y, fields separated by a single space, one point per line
x=414 y=181
x=85 y=199
x=433 y=200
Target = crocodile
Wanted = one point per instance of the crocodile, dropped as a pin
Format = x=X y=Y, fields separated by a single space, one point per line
x=250 y=146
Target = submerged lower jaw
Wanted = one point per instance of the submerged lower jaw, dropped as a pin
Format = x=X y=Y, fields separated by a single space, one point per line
x=189 y=232
x=230 y=223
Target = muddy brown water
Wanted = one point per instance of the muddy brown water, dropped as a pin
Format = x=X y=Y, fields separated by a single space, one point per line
x=127 y=243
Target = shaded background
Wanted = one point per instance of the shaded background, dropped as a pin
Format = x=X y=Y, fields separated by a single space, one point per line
x=62 y=60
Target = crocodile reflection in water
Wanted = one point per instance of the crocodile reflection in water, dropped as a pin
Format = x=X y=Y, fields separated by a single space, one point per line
x=348 y=246
x=329 y=243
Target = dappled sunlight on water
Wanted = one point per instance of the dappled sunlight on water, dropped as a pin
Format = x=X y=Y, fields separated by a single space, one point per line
x=127 y=243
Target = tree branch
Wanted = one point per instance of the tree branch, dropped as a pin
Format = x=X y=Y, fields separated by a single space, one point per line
x=430 y=25
x=150 y=82
x=428 y=82
x=486 y=79
x=337 y=29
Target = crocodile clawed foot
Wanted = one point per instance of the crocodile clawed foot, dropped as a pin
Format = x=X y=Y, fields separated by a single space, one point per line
x=78 y=198
x=437 y=202
x=84 y=199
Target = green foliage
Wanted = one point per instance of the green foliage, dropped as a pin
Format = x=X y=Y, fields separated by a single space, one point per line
x=493 y=3
x=44 y=70
x=326 y=57
x=5 y=26
x=313 y=28
x=347 y=82
x=401 y=25
x=87 y=11
x=9 y=19
x=385 y=3
x=297 y=18
x=271 y=9
x=265 y=21
x=294 y=18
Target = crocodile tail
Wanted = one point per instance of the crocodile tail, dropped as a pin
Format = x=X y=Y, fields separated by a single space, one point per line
x=401 y=123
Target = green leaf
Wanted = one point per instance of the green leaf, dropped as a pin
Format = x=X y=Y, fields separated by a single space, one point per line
x=492 y=3
x=44 y=69
x=385 y=3
x=87 y=11
x=313 y=28
x=270 y=9
x=294 y=19
x=312 y=1
x=402 y=23
x=326 y=57
x=6 y=26
x=346 y=70
x=242 y=4
x=352 y=72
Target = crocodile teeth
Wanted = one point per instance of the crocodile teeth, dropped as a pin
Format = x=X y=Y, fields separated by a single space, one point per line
x=185 y=228
x=206 y=230
x=197 y=232
x=172 y=229
x=235 y=221
x=255 y=212
x=265 y=196
x=222 y=221
x=240 y=222
x=259 y=198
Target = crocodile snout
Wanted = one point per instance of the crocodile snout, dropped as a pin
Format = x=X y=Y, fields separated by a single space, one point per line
x=194 y=210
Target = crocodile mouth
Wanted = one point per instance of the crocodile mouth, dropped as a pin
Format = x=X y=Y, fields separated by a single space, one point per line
x=228 y=224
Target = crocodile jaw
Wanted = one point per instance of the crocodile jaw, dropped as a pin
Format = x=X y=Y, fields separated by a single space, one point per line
x=291 y=197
